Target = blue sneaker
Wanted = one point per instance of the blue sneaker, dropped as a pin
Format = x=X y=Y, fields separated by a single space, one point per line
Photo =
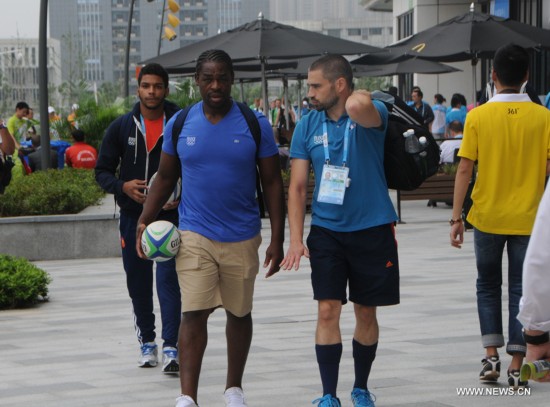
x=362 y=398
x=327 y=401
x=170 y=362
x=148 y=355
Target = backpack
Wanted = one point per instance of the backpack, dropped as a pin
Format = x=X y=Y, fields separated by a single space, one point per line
x=406 y=171
x=254 y=127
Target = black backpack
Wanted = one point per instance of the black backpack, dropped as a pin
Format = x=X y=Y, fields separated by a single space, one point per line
x=6 y=165
x=254 y=127
x=406 y=171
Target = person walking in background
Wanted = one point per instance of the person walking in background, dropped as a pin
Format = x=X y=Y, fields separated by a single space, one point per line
x=509 y=185
x=534 y=307
x=80 y=154
x=352 y=241
x=72 y=117
x=457 y=110
x=438 y=125
x=217 y=264
x=129 y=156
x=422 y=108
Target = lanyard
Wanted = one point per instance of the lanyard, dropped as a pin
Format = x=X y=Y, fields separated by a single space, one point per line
x=144 y=130
x=349 y=126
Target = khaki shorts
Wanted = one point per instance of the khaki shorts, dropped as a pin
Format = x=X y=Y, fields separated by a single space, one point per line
x=213 y=274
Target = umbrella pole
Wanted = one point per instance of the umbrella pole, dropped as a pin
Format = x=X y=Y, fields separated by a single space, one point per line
x=299 y=112
x=242 y=91
x=474 y=79
x=286 y=101
x=264 y=88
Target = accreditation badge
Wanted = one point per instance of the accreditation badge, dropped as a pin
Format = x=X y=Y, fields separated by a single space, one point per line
x=333 y=184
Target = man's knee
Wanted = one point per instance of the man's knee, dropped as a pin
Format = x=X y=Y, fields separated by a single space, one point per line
x=329 y=310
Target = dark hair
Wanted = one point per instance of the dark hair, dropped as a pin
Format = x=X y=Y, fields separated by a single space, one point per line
x=392 y=90
x=214 y=55
x=439 y=98
x=456 y=101
x=78 y=135
x=456 y=126
x=511 y=64
x=333 y=67
x=154 y=69
x=417 y=90
x=21 y=105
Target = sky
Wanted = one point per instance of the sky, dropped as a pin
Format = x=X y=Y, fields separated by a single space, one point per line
x=19 y=18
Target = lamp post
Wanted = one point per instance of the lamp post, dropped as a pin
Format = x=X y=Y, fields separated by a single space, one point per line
x=127 y=56
x=43 y=83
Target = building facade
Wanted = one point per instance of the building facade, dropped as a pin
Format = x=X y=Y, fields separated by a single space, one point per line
x=93 y=33
x=412 y=16
x=19 y=72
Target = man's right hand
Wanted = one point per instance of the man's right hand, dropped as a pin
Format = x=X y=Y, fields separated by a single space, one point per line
x=135 y=189
x=293 y=256
x=139 y=231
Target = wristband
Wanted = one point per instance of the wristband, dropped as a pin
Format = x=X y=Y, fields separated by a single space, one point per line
x=536 y=339
x=453 y=221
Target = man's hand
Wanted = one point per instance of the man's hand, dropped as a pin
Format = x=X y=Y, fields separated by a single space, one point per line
x=135 y=190
x=293 y=256
x=457 y=235
x=273 y=255
x=538 y=352
x=171 y=205
x=139 y=231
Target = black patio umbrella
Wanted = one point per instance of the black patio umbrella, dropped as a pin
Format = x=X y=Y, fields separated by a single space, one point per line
x=469 y=36
x=412 y=65
x=261 y=40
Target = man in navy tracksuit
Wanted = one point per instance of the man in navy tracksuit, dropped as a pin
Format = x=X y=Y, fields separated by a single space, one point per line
x=133 y=144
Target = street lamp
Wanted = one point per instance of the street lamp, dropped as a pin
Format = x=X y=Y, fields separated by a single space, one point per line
x=43 y=83
x=127 y=56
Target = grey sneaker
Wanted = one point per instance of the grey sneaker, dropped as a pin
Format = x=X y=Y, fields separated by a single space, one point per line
x=170 y=362
x=148 y=355
x=185 y=401
x=234 y=397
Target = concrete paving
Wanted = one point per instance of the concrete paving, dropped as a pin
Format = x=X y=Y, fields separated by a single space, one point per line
x=79 y=349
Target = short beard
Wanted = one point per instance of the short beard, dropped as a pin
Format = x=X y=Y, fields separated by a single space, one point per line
x=327 y=105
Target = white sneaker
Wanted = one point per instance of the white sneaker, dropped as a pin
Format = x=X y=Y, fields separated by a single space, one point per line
x=234 y=397
x=185 y=401
x=148 y=355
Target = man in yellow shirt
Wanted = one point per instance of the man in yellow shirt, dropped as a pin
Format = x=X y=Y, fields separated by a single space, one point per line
x=509 y=137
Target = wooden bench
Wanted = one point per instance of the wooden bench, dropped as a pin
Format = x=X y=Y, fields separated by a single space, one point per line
x=439 y=187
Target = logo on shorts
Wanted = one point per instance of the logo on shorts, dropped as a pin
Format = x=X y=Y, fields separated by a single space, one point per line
x=389 y=264
x=318 y=139
x=191 y=141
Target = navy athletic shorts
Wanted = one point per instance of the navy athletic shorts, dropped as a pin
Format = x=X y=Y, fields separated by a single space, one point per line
x=367 y=259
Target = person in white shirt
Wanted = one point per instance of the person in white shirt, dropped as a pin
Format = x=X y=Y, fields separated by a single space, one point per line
x=448 y=147
x=534 y=307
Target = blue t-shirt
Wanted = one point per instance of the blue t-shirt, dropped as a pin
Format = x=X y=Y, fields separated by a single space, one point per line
x=366 y=202
x=218 y=165
x=456 y=114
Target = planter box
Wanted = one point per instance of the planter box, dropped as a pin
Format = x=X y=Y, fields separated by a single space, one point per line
x=60 y=237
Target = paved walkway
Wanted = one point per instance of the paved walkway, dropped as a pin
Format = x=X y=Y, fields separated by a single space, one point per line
x=79 y=349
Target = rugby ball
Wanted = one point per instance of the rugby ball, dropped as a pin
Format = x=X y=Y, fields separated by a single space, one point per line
x=176 y=193
x=160 y=241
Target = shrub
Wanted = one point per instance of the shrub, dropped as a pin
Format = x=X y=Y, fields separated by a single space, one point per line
x=51 y=192
x=21 y=282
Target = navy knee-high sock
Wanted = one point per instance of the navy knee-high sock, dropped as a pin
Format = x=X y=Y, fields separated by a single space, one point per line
x=328 y=358
x=363 y=356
